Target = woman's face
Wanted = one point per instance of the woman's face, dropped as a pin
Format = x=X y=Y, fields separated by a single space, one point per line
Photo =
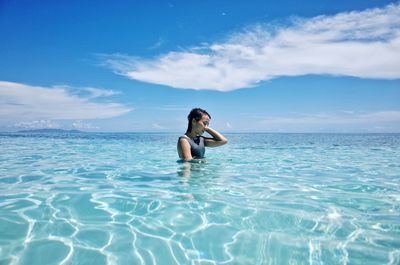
x=200 y=126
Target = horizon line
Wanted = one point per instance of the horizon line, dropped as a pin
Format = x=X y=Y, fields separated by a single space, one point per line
x=174 y=132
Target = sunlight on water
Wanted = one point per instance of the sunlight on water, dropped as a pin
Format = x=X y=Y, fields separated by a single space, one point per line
x=262 y=199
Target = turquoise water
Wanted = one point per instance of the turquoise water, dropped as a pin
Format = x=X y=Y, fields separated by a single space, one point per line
x=261 y=199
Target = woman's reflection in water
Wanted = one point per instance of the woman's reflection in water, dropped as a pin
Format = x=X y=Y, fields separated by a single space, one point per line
x=186 y=168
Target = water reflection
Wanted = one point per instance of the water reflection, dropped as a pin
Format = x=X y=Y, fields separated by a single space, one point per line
x=184 y=170
x=186 y=167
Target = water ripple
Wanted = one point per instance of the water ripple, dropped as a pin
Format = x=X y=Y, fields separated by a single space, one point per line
x=122 y=199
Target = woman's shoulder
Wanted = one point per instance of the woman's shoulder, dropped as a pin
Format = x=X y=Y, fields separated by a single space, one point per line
x=183 y=138
x=201 y=138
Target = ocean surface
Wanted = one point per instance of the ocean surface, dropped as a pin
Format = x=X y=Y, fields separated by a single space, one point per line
x=122 y=198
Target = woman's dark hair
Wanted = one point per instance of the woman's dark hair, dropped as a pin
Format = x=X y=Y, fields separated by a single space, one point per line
x=196 y=114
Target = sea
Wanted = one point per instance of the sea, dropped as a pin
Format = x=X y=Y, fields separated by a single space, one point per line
x=264 y=198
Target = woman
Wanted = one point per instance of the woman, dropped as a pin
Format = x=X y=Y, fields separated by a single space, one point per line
x=191 y=146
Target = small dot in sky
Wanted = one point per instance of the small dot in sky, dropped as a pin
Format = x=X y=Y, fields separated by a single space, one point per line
x=223 y=13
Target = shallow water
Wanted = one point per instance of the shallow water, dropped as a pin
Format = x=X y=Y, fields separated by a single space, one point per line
x=262 y=199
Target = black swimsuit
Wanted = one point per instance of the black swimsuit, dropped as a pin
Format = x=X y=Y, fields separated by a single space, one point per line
x=197 y=148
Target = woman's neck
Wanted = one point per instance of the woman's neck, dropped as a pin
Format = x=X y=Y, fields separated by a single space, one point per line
x=190 y=134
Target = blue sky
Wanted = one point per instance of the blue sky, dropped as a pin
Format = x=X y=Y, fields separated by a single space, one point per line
x=256 y=66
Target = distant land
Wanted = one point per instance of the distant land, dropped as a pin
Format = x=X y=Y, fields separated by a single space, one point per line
x=49 y=131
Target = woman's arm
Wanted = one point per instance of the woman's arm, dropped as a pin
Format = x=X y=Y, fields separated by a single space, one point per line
x=217 y=140
x=184 y=150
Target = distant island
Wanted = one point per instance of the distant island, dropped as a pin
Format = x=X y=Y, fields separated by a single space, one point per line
x=49 y=131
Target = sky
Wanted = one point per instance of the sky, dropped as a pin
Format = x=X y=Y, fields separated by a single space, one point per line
x=255 y=66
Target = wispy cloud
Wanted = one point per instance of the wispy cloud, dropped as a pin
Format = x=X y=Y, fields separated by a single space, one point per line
x=175 y=108
x=362 y=44
x=344 y=121
x=38 y=124
x=343 y=118
x=158 y=44
x=81 y=125
x=25 y=103
x=98 y=93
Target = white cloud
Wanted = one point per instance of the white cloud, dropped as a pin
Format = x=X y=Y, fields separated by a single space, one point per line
x=345 y=121
x=38 y=124
x=344 y=118
x=20 y=102
x=79 y=125
x=362 y=44
x=175 y=108
x=97 y=93
x=157 y=45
